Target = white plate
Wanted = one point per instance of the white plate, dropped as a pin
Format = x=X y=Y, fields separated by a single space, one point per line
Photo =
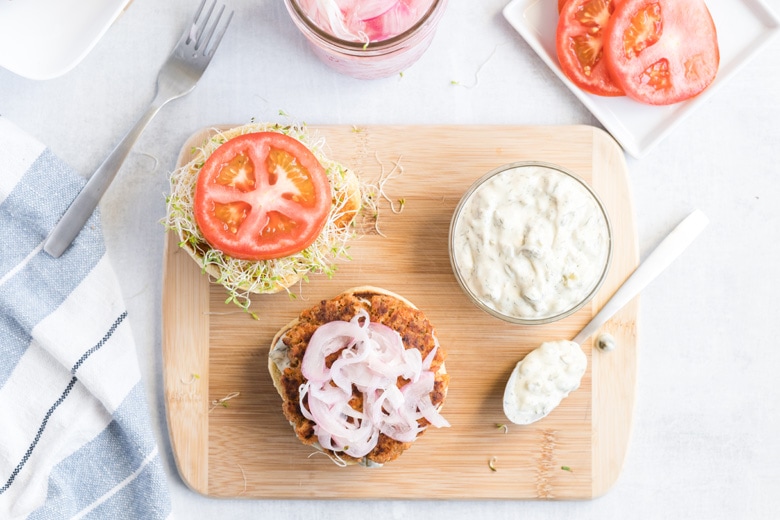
x=43 y=39
x=744 y=27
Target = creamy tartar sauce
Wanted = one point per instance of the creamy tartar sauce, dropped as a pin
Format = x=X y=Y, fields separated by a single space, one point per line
x=542 y=379
x=530 y=242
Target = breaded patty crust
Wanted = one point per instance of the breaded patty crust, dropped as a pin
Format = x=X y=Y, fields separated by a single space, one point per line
x=290 y=344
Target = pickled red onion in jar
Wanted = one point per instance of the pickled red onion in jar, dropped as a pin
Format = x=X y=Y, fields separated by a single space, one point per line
x=365 y=20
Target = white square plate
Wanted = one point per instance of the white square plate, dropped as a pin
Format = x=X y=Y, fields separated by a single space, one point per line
x=743 y=26
x=43 y=39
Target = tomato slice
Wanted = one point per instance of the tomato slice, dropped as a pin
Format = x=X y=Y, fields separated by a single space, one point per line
x=579 y=42
x=261 y=196
x=662 y=51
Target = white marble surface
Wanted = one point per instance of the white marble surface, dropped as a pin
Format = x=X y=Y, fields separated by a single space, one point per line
x=706 y=439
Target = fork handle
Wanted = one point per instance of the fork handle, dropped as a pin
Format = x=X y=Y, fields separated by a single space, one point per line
x=87 y=200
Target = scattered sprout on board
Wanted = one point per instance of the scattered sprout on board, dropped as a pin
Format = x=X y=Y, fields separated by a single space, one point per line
x=223 y=402
x=606 y=342
x=372 y=193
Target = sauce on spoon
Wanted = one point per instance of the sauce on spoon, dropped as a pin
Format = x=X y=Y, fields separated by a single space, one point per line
x=542 y=379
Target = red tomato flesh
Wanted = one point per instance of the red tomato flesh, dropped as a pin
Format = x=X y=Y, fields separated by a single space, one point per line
x=662 y=51
x=579 y=41
x=261 y=196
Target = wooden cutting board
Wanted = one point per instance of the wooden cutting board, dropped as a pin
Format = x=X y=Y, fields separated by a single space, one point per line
x=212 y=350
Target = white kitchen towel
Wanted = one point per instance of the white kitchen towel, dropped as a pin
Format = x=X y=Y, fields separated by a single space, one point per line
x=75 y=433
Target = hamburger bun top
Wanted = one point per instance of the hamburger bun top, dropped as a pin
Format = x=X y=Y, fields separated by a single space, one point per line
x=244 y=277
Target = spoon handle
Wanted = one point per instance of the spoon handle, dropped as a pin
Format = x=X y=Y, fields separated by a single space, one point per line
x=661 y=257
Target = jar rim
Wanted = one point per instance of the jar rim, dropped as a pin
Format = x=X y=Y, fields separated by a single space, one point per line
x=357 y=46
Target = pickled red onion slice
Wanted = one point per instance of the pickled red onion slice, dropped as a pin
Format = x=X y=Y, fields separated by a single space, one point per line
x=365 y=20
x=365 y=9
x=371 y=359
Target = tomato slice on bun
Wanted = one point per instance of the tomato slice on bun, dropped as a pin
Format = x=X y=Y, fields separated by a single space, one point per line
x=261 y=196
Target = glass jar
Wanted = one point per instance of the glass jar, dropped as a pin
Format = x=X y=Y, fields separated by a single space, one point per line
x=368 y=59
x=530 y=243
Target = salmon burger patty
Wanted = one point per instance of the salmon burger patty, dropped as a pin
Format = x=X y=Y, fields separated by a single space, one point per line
x=341 y=351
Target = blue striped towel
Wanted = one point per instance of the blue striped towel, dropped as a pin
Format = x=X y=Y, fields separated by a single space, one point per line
x=75 y=434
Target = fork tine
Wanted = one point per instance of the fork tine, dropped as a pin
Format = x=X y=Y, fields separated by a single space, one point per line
x=197 y=13
x=201 y=32
x=198 y=25
x=218 y=36
x=191 y=32
x=205 y=37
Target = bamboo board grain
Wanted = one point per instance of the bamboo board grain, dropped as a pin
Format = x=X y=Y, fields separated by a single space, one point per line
x=247 y=449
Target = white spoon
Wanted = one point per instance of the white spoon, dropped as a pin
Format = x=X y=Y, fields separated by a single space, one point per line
x=662 y=256
x=534 y=391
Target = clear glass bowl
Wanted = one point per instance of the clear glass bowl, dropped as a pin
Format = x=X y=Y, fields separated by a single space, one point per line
x=482 y=302
x=373 y=60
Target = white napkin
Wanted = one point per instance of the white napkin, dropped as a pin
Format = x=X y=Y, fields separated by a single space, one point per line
x=75 y=434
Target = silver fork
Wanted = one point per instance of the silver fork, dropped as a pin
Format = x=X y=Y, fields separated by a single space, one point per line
x=177 y=77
